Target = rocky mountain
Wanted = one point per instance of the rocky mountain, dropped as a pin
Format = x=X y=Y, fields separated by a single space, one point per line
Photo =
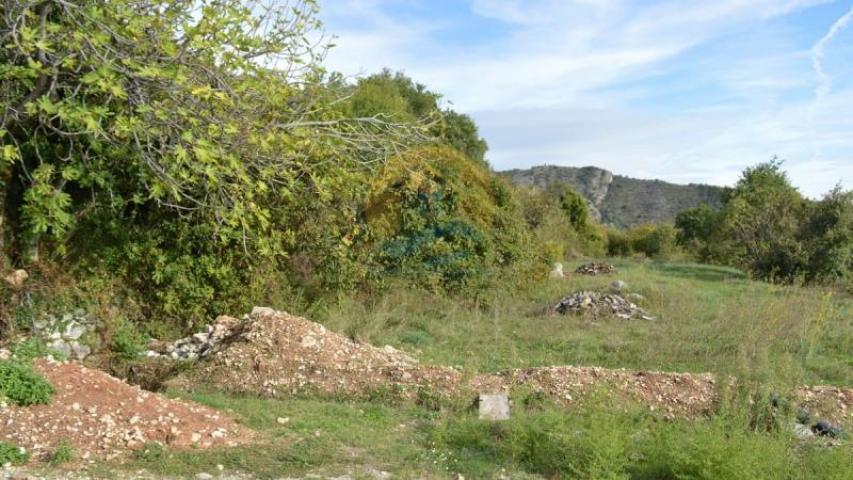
x=620 y=201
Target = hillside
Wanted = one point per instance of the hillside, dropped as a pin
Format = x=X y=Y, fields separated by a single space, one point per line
x=617 y=200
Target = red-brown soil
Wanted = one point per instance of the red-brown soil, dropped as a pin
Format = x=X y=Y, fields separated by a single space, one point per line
x=103 y=418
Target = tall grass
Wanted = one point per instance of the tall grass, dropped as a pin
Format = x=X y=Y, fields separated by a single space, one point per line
x=707 y=319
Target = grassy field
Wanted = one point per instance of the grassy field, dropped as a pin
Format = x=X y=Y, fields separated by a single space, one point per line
x=708 y=319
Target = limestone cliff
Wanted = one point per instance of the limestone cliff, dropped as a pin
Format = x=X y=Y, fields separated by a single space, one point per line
x=620 y=201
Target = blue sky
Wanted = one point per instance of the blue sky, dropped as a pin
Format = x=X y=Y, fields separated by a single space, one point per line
x=682 y=90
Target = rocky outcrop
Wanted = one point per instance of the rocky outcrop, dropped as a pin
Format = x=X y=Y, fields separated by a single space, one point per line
x=620 y=201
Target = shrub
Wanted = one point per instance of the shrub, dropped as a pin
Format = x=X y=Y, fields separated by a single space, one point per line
x=64 y=453
x=653 y=241
x=127 y=341
x=442 y=219
x=828 y=237
x=30 y=349
x=23 y=386
x=10 y=453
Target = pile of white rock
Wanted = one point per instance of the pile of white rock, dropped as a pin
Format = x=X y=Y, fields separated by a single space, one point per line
x=65 y=334
x=598 y=303
x=201 y=344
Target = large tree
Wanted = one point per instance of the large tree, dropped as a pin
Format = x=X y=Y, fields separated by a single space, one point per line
x=212 y=110
x=760 y=223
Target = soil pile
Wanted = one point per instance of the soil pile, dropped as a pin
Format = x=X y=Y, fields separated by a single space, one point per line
x=275 y=354
x=675 y=394
x=827 y=402
x=103 y=418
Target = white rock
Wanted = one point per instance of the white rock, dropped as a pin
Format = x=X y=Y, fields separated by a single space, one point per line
x=557 y=271
x=494 y=407
x=262 y=311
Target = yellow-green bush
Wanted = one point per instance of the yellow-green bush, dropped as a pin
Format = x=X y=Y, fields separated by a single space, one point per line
x=652 y=241
x=436 y=215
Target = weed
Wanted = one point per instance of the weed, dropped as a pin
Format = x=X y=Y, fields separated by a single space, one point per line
x=127 y=341
x=64 y=453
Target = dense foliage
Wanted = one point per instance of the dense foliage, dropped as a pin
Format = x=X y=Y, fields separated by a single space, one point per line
x=182 y=145
x=769 y=229
x=197 y=158
x=441 y=216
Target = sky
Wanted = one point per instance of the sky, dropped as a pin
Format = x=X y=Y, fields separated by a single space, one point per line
x=688 y=91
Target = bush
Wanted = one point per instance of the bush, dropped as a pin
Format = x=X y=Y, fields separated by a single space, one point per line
x=10 y=453
x=652 y=241
x=23 y=386
x=30 y=349
x=559 y=224
x=64 y=453
x=828 y=237
x=441 y=219
x=127 y=341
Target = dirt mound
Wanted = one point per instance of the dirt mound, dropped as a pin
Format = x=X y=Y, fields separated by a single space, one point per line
x=674 y=394
x=600 y=303
x=595 y=268
x=104 y=418
x=274 y=353
x=828 y=403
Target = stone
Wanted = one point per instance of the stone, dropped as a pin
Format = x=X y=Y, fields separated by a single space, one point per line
x=618 y=286
x=826 y=429
x=17 y=279
x=5 y=354
x=802 y=431
x=595 y=269
x=80 y=351
x=204 y=476
x=493 y=407
x=635 y=297
x=282 y=420
x=60 y=347
x=201 y=337
x=262 y=311
x=308 y=341
x=40 y=324
x=557 y=271
x=73 y=331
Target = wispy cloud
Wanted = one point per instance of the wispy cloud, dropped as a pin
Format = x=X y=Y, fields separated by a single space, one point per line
x=686 y=90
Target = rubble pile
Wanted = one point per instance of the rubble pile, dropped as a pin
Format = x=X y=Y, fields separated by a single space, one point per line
x=832 y=404
x=595 y=268
x=201 y=344
x=104 y=418
x=275 y=353
x=65 y=334
x=600 y=303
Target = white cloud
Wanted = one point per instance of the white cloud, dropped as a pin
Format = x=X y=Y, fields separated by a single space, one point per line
x=707 y=147
x=545 y=90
